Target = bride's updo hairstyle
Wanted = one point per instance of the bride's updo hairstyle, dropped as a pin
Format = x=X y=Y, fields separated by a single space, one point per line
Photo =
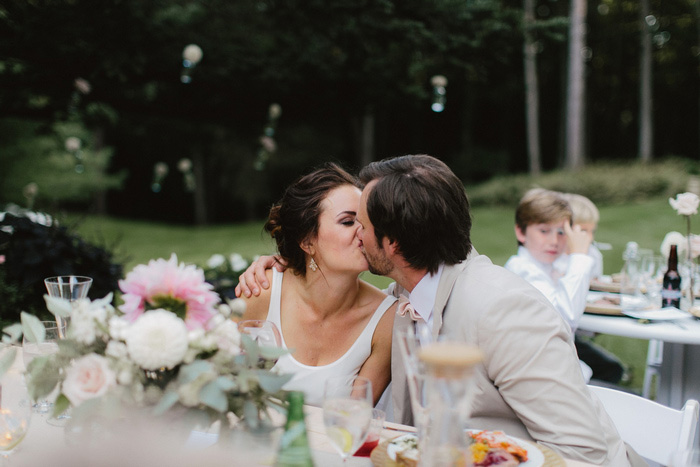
x=294 y=219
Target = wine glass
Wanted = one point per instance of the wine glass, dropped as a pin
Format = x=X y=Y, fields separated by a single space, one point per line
x=15 y=412
x=69 y=287
x=32 y=349
x=347 y=413
x=265 y=333
x=416 y=377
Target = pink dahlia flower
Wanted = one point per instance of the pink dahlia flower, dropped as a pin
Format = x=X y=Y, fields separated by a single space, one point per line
x=175 y=287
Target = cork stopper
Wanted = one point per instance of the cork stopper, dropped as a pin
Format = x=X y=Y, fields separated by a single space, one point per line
x=450 y=359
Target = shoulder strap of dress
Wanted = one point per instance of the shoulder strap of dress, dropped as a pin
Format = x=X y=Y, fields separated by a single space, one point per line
x=379 y=312
x=273 y=311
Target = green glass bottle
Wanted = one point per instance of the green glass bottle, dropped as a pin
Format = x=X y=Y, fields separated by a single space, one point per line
x=294 y=450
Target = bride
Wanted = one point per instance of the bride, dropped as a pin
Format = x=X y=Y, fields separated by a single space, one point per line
x=333 y=323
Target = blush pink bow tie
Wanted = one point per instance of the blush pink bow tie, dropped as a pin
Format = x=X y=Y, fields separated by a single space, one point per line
x=406 y=307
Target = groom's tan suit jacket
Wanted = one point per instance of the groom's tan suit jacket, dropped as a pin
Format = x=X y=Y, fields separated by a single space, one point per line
x=529 y=384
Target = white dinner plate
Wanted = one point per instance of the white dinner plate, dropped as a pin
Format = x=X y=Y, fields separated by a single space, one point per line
x=664 y=314
x=535 y=457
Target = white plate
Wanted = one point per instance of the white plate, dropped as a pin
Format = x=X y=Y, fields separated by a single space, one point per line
x=664 y=314
x=535 y=457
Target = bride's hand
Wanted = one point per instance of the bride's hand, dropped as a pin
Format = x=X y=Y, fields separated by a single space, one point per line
x=254 y=277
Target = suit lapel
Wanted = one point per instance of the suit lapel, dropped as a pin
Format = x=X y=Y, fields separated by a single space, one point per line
x=447 y=281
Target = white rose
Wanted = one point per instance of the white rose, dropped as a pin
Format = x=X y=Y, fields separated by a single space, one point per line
x=238 y=263
x=118 y=328
x=116 y=350
x=125 y=377
x=157 y=339
x=228 y=339
x=215 y=261
x=237 y=306
x=88 y=377
x=695 y=245
x=674 y=238
x=686 y=204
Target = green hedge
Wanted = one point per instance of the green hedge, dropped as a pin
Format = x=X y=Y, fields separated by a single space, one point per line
x=603 y=183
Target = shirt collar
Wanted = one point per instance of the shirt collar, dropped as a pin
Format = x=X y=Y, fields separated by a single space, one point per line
x=424 y=294
x=547 y=268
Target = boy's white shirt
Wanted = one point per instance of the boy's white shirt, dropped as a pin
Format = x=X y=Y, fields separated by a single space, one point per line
x=566 y=290
x=562 y=262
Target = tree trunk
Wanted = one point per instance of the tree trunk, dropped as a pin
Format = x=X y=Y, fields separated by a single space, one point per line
x=697 y=22
x=200 y=204
x=532 y=109
x=646 y=140
x=100 y=197
x=367 y=137
x=575 y=85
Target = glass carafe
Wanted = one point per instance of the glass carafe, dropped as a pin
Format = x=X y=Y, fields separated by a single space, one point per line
x=449 y=367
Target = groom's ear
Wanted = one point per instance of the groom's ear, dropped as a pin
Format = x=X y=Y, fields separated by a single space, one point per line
x=391 y=246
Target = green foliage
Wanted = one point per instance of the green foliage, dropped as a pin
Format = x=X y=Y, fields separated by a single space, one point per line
x=33 y=247
x=36 y=154
x=603 y=183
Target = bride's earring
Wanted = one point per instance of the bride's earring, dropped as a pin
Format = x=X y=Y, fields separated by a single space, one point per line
x=312 y=265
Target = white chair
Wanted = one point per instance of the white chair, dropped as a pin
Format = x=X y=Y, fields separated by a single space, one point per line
x=653 y=430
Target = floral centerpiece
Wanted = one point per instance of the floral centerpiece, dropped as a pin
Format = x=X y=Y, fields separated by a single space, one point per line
x=169 y=348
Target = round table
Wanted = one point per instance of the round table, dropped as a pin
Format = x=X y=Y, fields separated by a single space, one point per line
x=679 y=372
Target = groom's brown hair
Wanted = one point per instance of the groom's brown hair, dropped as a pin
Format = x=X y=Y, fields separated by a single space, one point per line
x=420 y=204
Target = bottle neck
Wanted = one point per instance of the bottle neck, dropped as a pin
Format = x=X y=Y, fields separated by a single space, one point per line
x=295 y=412
x=673 y=259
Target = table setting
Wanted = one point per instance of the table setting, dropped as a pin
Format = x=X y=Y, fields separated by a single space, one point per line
x=149 y=375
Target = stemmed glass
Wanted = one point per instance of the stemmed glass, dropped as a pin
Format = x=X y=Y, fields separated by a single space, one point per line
x=267 y=336
x=347 y=413
x=15 y=412
x=265 y=333
x=69 y=287
x=32 y=349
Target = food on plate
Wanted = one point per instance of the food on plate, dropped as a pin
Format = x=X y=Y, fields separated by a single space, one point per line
x=495 y=448
x=406 y=450
x=487 y=448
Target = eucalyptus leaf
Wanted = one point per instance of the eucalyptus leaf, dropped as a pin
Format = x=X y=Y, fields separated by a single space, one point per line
x=212 y=396
x=272 y=353
x=58 y=306
x=190 y=372
x=251 y=350
x=43 y=376
x=12 y=333
x=60 y=405
x=225 y=383
x=169 y=399
x=271 y=382
x=7 y=359
x=250 y=414
x=32 y=328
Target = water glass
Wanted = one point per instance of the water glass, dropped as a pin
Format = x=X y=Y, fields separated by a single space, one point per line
x=71 y=288
x=15 y=412
x=347 y=413
x=416 y=378
x=32 y=350
x=265 y=333
x=632 y=288
x=375 y=431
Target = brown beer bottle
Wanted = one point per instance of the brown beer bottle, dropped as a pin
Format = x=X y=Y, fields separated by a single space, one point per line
x=671 y=292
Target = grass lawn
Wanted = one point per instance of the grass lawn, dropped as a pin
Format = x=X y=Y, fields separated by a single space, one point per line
x=492 y=234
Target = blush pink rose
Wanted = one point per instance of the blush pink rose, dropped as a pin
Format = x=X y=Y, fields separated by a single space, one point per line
x=88 y=377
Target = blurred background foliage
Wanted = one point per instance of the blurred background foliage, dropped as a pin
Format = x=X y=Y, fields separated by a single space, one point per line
x=353 y=79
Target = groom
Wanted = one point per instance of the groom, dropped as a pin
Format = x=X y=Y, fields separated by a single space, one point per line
x=416 y=227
